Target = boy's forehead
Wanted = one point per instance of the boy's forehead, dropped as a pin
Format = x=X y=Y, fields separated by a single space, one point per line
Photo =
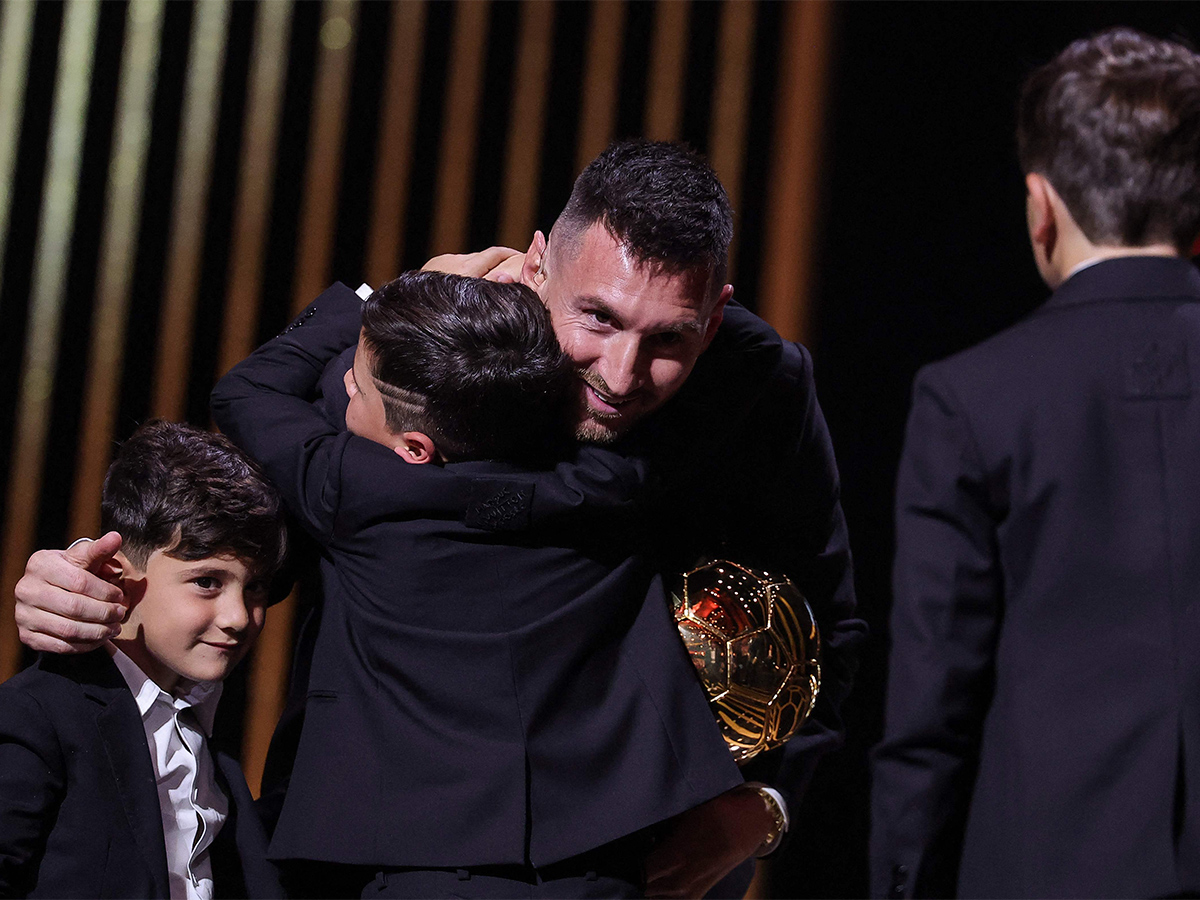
x=228 y=561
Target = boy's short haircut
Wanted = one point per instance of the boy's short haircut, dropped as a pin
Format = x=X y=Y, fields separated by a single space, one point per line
x=473 y=364
x=192 y=494
x=1113 y=122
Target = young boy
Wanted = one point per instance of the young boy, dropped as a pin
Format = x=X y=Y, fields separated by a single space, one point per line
x=1043 y=714
x=107 y=785
x=490 y=698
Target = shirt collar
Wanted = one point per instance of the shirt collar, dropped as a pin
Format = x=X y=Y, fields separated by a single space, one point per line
x=201 y=696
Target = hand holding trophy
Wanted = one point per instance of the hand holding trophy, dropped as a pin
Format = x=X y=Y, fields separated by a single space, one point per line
x=756 y=647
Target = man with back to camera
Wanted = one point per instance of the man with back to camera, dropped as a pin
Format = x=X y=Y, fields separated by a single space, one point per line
x=1045 y=661
x=633 y=275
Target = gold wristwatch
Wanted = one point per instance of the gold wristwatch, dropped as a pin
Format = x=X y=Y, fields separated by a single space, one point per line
x=778 y=814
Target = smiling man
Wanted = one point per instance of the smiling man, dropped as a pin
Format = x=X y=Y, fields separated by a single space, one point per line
x=669 y=370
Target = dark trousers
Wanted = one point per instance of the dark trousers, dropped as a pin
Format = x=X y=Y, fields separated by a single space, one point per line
x=614 y=870
x=488 y=882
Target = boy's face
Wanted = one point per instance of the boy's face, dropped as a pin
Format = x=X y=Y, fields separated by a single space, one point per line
x=364 y=414
x=191 y=619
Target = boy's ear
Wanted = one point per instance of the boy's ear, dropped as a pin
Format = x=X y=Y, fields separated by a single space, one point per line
x=130 y=579
x=533 y=269
x=1040 y=211
x=417 y=448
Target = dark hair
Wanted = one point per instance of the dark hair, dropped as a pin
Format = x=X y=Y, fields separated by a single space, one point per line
x=192 y=494
x=1113 y=122
x=660 y=200
x=471 y=363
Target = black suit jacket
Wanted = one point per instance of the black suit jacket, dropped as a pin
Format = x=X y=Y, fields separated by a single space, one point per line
x=774 y=503
x=1044 y=695
x=496 y=676
x=79 y=814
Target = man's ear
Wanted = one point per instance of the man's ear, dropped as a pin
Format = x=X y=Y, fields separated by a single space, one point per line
x=533 y=270
x=1041 y=213
x=417 y=448
x=716 y=316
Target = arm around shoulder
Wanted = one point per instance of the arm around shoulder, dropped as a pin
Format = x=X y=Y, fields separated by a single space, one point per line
x=263 y=404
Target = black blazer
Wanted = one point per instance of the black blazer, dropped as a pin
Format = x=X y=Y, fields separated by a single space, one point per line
x=1044 y=688
x=496 y=677
x=79 y=814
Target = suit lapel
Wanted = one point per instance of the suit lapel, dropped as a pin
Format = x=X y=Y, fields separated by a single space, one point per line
x=124 y=740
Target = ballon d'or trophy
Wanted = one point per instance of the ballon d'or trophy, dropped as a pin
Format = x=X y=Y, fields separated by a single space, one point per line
x=755 y=644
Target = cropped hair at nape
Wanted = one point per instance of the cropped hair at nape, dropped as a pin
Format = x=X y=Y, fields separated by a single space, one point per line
x=473 y=364
x=660 y=200
x=192 y=494
x=1114 y=123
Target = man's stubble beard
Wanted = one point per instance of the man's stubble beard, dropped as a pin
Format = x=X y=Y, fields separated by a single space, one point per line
x=590 y=431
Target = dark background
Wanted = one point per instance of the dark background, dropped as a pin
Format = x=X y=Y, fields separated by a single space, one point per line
x=923 y=253
x=921 y=245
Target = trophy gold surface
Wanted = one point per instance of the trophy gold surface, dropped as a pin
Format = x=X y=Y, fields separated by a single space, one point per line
x=755 y=645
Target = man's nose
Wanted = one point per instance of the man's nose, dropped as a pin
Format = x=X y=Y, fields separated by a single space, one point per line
x=623 y=366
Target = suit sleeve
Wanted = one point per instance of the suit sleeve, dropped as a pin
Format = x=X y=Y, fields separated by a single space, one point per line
x=800 y=529
x=32 y=784
x=264 y=406
x=945 y=618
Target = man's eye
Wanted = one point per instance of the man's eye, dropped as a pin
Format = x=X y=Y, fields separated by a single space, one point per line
x=601 y=317
x=670 y=338
x=206 y=583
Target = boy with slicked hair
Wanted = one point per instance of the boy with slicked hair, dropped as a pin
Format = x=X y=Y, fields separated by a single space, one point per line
x=1042 y=730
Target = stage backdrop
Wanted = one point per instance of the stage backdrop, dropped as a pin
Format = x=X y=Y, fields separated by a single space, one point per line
x=177 y=178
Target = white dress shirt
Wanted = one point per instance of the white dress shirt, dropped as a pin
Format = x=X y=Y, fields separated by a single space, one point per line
x=193 y=807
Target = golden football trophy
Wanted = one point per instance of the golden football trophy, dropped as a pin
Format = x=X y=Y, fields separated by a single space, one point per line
x=755 y=644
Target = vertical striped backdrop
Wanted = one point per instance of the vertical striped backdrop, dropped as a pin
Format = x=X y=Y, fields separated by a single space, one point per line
x=177 y=179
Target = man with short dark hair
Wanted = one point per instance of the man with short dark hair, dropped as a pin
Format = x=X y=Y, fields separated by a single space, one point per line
x=667 y=369
x=1043 y=717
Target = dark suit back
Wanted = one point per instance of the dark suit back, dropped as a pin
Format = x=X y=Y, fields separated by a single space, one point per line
x=496 y=678
x=79 y=813
x=1046 y=628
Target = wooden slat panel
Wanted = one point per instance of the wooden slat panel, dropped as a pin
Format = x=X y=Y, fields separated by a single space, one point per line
x=452 y=204
x=16 y=37
x=668 y=65
x=396 y=134
x=256 y=176
x=518 y=205
x=318 y=218
x=601 y=78
x=193 y=174
x=118 y=251
x=731 y=99
x=51 y=254
x=318 y=215
x=795 y=157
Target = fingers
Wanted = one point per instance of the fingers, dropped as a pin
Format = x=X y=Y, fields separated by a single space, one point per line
x=41 y=630
x=63 y=607
x=508 y=271
x=52 y=581
x=92 y=554
x=476 y=265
